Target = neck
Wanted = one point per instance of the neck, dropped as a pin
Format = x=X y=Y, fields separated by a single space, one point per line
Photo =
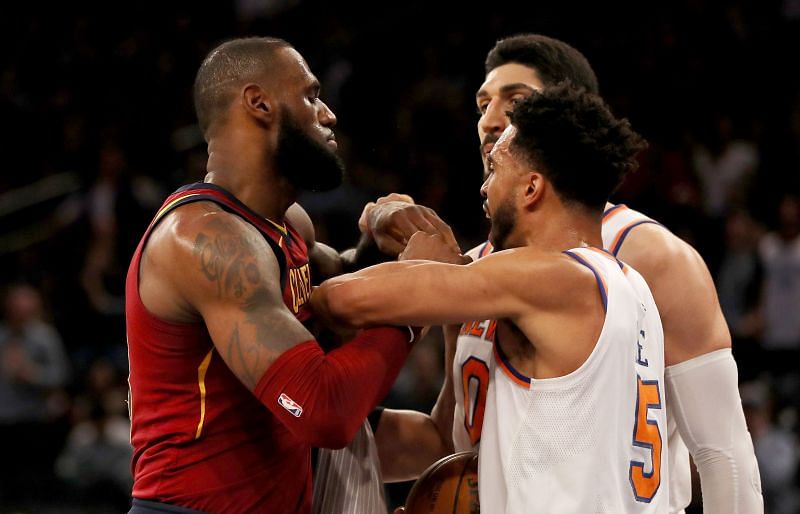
x=241 y=165
x=563 y=228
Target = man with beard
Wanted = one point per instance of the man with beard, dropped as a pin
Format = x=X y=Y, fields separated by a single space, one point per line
x=228 y=388
x=701 y=374
x=573 y=365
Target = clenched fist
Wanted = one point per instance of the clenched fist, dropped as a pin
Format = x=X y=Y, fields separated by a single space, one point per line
x=393 y=219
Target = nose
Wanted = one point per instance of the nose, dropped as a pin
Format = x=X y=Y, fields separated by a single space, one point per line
x=494 y=119
x=485 y=187
x=326 y=116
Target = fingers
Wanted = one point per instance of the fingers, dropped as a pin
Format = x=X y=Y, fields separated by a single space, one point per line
x=363 y=221
x=400 y=510
x=443 y=229
x=390 y=245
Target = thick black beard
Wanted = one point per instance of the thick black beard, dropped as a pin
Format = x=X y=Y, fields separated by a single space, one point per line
x=503 y=222
x=308 y=164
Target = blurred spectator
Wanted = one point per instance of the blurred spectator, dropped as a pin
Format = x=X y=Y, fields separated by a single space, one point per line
x=724 y=164
x=96 y=459
x=33 y=366
x=780 y=257
x=118 y=205
x=739 y=277
x=776 y=450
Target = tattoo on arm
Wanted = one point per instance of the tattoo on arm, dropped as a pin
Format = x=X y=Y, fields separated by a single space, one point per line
x=226 y=258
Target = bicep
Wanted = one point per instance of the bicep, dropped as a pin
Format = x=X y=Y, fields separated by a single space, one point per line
x=683 y=290
x=234 y=283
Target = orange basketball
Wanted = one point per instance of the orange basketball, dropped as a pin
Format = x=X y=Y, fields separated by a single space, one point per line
x=449 y=486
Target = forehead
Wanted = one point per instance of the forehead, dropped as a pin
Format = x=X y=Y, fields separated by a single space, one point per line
x=295 y=69
x=511 y=73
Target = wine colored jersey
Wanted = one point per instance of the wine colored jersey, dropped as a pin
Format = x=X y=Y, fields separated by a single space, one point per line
x=201 y=439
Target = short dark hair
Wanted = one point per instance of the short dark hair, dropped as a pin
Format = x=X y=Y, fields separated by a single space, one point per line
x=228 y=67
x=571 y=136
x=554 y=60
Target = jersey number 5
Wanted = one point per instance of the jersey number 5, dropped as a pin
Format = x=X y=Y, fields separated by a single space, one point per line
x=646 y=434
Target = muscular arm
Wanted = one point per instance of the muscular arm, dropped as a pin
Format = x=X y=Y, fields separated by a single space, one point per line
x=220 y=268
x=428 y=293
x=683 y=290
x=409 y=441
x=701 y=377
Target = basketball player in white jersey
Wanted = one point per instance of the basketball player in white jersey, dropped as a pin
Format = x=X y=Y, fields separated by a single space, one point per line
x=571 y=375
x=704 y=405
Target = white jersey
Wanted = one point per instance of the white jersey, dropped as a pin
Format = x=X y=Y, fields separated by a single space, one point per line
x=588 y=442
x=348 y=480
x=618 y=221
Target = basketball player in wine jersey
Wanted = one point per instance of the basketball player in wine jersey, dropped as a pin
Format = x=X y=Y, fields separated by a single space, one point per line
x=229 y=389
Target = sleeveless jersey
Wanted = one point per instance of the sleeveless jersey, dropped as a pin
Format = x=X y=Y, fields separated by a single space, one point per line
x=618 y=221
x=588 y=442
x=201 y=439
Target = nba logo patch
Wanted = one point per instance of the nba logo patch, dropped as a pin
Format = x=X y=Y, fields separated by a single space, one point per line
x=293 y=407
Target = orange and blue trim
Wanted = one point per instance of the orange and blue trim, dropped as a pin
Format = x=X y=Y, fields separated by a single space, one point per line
x=601 y=283
x=515 y=376
x=613 y=211
x=622 y=234
x=624 y=267
x=485 y=250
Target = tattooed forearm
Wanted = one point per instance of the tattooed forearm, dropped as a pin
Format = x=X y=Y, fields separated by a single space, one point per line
x=243 y=360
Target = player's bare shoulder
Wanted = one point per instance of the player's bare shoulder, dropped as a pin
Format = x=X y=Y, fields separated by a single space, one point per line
x=199 y=250
x=545 y=279
x=682 y=288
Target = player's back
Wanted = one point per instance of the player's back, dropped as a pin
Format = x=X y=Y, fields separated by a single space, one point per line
x=589 y=441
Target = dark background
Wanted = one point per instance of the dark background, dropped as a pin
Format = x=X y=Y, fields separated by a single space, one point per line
x=97 y=127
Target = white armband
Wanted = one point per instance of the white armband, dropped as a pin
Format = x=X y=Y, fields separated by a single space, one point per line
x=703 y=395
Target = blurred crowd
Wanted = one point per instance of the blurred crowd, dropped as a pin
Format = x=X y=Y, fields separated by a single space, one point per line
x=98 y=127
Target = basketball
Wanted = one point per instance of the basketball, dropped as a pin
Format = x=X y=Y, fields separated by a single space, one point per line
x=449 y=486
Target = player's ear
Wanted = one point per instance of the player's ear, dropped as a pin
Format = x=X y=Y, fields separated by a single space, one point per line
x=258 y=103
x=534 y=189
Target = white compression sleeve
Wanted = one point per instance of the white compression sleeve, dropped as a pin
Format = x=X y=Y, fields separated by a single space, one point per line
x=704 y=397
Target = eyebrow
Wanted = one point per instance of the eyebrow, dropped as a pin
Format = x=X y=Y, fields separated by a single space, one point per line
x=508 y=88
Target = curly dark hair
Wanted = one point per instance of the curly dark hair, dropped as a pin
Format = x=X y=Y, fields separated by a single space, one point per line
x=554 y=60
x=571 y=136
